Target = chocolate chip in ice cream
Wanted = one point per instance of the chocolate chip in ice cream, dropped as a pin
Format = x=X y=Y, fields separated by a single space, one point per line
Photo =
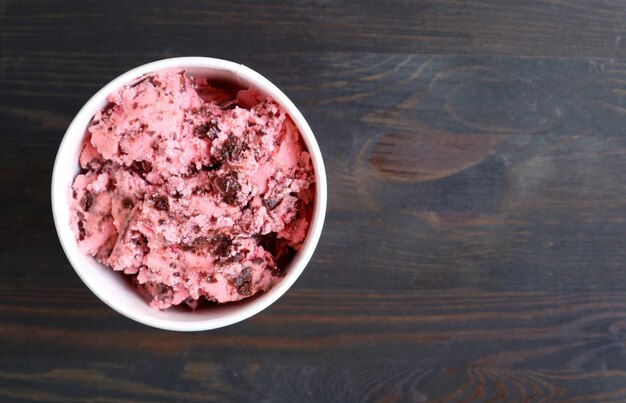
x=221 y=245
x=228 y=186
x=161 y=202
x=233 y=259
x=208 y=129
x=81 y=230
x=243 y=282
x=217 y=245
x=111 y=184
x=271 y=204
x=141 y=168
x=86 y=201
x=231 y=149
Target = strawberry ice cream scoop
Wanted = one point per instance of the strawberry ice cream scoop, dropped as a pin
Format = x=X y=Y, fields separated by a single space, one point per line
x=193 y=191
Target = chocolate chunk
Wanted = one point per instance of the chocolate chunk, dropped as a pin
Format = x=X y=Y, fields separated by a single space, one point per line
x=214 y=129
x=177 y=195
x=261 y=132
x=220 y=244
x=228 y=186
x=127 y=202
x=208 y=129
x=196 y=229
x=231 y=149
x=258 y=260
x=161 y=203
x=201 y=130
x=81 y=230
x=211 y=279
x=86 y=201
x=161 y=221
x=243 y=282
x=108 y=109
x=271 y=204
x=233 y=259
x=111 y=185
x=141 y=168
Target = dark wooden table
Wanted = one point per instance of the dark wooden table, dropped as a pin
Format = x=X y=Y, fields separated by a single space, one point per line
x=475 y=242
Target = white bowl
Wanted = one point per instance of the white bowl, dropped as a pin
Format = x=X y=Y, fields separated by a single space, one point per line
x=110 y=286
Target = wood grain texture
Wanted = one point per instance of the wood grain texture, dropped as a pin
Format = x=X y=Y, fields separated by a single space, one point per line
x=474 y=243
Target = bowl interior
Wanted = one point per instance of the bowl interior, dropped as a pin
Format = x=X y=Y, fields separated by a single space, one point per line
x=113 y=288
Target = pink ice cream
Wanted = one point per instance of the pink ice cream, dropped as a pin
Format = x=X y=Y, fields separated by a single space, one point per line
x=195 y=192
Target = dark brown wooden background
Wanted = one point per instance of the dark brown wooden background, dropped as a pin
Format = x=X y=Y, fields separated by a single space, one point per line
x=475 y=242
